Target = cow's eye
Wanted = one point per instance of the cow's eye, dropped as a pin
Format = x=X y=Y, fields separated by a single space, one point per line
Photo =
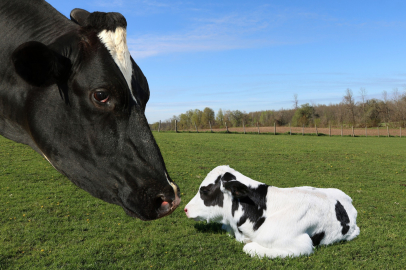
x=101 y=96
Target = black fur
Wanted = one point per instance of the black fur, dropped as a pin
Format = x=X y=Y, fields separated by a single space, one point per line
x=211 y=194
x=342 y=217
x=106 y=21
x=316 y=238
x=228 y=177
x=40 y=66
x=79 y=16
x=258 y=223
x=98 y=21
x=252 y=201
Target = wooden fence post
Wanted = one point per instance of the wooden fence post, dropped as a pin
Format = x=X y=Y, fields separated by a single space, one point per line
x=290 y=129
x=226 y=127
x=196 y=128
x=341 y=130
x=258 y=127
x=400 y=132
x=387 y=129
x=176 y=125
x=317 y=133
x=303 y=130
x=353 y=135
x=378 y=131
x=329 y=130
x=243 y=125
x=211 y=130
x=159 y=127
x=366 y=134
x=274 y=128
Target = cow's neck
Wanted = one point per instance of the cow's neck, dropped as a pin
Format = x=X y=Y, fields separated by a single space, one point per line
x=32 y=20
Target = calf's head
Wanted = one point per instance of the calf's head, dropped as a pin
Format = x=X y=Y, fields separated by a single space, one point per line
x=84 y=111
x=216 y=193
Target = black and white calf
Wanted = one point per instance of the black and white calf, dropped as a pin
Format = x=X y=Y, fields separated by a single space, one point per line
x=274 y=222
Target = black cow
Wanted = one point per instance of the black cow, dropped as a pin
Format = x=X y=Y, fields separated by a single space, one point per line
x=71 y=91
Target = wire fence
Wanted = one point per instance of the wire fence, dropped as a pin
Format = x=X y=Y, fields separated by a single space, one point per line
x=289 y=130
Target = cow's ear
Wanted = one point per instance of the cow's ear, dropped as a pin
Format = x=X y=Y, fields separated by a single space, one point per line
x=79 y=16
x=139 y=85
x=237 y=189
x=39 y=65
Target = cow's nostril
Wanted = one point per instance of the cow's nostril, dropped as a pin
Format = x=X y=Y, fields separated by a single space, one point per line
x=165 y=206
x=185 y=210
x=164 y=203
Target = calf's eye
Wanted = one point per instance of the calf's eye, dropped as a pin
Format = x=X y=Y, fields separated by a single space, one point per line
x=101 y=96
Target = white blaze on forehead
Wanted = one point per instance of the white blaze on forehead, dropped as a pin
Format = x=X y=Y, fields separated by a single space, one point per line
x=116 y=43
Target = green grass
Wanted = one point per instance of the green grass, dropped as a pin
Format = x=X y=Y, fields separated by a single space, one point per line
x=46 y=222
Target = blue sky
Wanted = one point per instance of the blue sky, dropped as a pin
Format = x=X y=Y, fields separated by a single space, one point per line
x=255 y=55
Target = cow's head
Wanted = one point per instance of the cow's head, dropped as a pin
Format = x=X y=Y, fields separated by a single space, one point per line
x=220 y=194
x=85 y=114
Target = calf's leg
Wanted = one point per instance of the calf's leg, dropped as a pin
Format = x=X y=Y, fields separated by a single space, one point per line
x=300 y=245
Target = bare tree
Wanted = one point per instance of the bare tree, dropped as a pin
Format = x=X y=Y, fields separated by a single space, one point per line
x=220 y=118
x=363 y=95
x=350 y=104
x=295 y=101
x=399 y=110
x=385 y=107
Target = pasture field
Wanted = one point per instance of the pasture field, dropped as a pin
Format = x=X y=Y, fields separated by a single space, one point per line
x=47 y=222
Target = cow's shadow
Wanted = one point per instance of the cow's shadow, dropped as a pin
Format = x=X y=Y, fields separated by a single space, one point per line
x=209 y=228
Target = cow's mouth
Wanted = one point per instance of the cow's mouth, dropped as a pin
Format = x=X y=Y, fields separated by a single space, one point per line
x=167 y=207
x=163 y=209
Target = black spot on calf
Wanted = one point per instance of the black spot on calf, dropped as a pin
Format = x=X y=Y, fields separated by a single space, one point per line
x=342 y=217
x=259 y=222
x=211 y=194
x=253 y=205
x=316 y=238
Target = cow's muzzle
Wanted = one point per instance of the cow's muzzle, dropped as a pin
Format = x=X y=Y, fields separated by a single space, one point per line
x=167 y=205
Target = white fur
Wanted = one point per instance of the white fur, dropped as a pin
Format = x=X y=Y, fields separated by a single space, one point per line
x=292 y=216
x=116 y=44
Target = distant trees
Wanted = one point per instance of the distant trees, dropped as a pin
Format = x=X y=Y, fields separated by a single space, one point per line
x=220 y=118
x=350 y=105
x=303 y=115
x=207 y=116
x=390 y=110
x=371 y=113
x=398 y=107
x=197 y=117
x=235 y=118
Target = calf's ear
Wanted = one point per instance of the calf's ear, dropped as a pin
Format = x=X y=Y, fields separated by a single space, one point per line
x=237 y=189
x=38 y=65
x=228 y=177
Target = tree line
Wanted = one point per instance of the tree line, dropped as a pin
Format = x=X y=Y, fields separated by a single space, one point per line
x=390 y=110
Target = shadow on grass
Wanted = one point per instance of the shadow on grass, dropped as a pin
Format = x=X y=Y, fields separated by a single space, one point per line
x=209 y=227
